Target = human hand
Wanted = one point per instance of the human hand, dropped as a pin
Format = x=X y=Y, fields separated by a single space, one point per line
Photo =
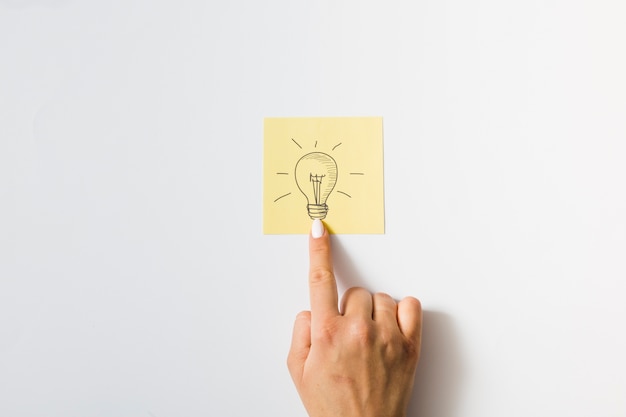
x=357 y=362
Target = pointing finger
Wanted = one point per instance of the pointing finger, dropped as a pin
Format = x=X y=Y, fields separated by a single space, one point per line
x=322 y=285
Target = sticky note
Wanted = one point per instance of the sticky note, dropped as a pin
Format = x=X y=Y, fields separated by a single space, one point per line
x=323 y=167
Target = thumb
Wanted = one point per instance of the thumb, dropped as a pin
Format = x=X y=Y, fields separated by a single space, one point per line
x=300 y=345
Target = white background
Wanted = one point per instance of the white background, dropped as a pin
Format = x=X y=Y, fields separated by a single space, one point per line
x=134 y=276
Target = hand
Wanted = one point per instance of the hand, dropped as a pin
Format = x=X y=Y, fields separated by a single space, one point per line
x=357 y=362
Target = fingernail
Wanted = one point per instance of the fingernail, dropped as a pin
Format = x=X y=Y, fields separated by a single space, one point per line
x=317 y=229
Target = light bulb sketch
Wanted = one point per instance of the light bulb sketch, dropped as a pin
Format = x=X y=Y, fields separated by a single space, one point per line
x=326 y=169
x=316 y=176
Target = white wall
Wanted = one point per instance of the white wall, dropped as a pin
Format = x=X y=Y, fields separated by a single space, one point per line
x=134 y=276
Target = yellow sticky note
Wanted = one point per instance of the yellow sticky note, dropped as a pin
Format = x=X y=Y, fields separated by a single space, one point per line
x=329 y=168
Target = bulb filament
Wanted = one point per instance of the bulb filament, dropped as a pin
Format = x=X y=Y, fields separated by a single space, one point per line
x=317 y=184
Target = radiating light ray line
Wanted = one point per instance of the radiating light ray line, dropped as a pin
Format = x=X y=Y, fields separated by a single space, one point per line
x=285 y=195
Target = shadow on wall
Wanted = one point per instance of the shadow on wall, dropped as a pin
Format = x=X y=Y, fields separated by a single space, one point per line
x=346 y=272
x=439 y=376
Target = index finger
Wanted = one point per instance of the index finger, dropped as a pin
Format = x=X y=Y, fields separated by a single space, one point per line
x=322 y=284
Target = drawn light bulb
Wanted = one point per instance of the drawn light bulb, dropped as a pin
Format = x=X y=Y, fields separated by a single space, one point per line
x=316 y=176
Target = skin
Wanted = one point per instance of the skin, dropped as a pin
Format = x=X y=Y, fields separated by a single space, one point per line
x=359 y=361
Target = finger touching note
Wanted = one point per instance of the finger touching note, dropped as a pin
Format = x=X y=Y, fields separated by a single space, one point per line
x=359 y=363
x=322 y=284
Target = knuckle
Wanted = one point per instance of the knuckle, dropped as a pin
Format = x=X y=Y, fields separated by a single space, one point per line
x=384 y=296
x=350 y=291
x=412 y=303
x=325 y=335
x=303 y=315
x=354 y=293
x=361 y=331
x=320 y=275
x=395 y=347
x=386 y=338
x=385 y=299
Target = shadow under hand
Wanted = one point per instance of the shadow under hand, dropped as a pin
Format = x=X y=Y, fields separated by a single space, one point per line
x=436 y=392
x=346 y=272
x=439 y=376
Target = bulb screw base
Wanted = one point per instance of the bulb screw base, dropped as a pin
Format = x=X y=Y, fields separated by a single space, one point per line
x=317 y=211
